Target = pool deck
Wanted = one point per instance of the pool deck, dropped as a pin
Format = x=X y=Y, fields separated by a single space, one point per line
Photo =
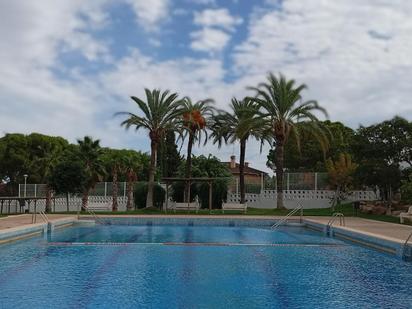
x=25 y=219
x=384 y=230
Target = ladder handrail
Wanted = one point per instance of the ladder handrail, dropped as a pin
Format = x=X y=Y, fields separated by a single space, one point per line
x=405 y=245
x=336 y=215
x=42 y=215
x=286 y=217
x=90 y=211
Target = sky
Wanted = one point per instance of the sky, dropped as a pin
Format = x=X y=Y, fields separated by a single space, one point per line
x=67 y=66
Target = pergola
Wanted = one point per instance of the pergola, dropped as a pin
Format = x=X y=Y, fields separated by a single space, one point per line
x=209 y=180
x=7 y=200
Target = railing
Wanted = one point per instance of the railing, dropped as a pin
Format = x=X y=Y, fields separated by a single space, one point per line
x=405 y=248
x=42 y=215
x=90 y=211
x=332 y=220
x=285 y=218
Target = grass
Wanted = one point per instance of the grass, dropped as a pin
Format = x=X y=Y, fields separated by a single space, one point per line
x=346 y=209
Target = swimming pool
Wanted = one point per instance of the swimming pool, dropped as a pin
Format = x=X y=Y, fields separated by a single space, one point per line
x=182 y=266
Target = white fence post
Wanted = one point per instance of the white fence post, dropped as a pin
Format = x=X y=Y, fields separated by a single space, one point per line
x=35 y=190
x=124 y=189
x=287 y=181
x=105 y=188
x=19 y=190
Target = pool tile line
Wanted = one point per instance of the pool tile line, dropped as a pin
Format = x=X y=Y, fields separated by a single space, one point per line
x=192 y=244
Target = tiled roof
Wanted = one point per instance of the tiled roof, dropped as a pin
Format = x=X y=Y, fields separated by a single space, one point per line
x=248 y=170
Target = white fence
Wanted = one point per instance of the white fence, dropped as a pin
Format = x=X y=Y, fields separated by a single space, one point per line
x=307 y=198
x=100 y=189
x=59 y=204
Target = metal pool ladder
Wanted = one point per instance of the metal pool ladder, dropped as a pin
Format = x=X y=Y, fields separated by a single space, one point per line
x=91 y=212
x=43 y=216
x=332 y=220
x=285 y=218
x=405 y=255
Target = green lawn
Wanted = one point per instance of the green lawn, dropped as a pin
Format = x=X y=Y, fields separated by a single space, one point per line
x=346 y=209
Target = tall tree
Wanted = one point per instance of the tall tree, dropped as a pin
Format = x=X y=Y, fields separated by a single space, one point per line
x=286 y=114
x=112 y=159
x=169 y=158
x=14 y=159
x=45 y=153
x=340 y=174
x=160 y=113
x=90 y=154
x=196 y=117
x=310 y=156
x=242 y=122
x=132 y=163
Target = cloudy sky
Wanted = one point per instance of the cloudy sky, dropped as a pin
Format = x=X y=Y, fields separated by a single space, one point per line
x=66 y=66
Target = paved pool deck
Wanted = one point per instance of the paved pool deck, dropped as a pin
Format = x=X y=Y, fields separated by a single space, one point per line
x=384 y=230
x=26 y=220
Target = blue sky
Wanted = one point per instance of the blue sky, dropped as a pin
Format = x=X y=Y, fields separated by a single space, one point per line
x=67 y=66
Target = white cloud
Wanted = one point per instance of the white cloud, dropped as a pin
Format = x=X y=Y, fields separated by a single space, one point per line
x=150 y=13
x=209 y=40
x=350 y=54
x=220 y=18
x=216 y=26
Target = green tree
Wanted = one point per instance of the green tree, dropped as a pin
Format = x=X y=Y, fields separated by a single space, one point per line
x=44 y=154
x=169 y=158
x=286 y=114
x=238 y=125
x=161 y=113
x=196 y=117
x=68 y=177
x=380 y=150
x=113 y=161
x=132 y=162
x=90 y=154
x=310 y=156
x=340 y=174
x=14 y=159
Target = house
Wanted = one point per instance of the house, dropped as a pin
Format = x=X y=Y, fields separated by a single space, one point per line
x=254 y=178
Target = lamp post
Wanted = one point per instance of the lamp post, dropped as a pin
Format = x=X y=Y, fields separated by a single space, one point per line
x=25 y=184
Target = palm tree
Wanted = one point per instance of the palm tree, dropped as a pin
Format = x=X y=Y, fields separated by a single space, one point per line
x=90 y=154
x=161 y=112
x=242 y=122
x=113 y=160
x=195 y=119
x=286 y=114
x=131 y=163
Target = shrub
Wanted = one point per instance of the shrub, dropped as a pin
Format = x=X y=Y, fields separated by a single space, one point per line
x=406 y=191
x=140 y=194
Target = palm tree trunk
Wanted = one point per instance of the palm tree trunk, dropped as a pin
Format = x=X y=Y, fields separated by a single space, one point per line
x=188 y=167
x=85 y=199
x=242 y=171
x=48 y=199
x=115 y=190
x=152 y=171
x=129 y=189
x=279 y=153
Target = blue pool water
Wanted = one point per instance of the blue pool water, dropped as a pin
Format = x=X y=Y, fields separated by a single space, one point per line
x=121 y=266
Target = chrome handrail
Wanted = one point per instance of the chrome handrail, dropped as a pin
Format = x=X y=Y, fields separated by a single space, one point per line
x=42 y=215
x=336 y=215
x=405 y=246
x=90 y=211
x=285 y=218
